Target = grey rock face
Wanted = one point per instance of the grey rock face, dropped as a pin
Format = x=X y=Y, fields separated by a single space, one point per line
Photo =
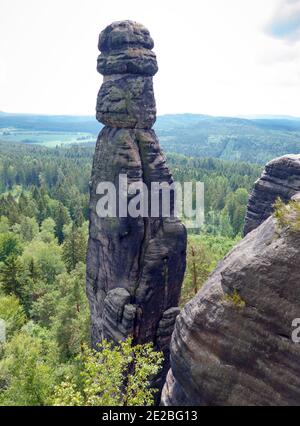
x=130 y=61
x=146 y=256
x=232 y=343
x=127 y=101
x=124 y=34
x=118 y=315
x=135 y=266
x=126 y=97
x=281 y=178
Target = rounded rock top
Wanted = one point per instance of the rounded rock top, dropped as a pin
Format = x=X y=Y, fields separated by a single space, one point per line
x=285 y=159
x=123 y=34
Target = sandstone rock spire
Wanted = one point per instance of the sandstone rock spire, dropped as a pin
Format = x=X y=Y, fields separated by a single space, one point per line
x=135 y=266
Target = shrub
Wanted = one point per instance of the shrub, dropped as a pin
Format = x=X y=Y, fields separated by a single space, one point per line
x=113 y=376
x=235 y=299
x=287 y=215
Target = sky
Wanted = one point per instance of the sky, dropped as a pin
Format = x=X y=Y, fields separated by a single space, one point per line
x=230 y=58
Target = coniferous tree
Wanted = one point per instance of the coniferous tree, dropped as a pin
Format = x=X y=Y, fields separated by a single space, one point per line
x=10 y=271
x=61 y=219
x=74 y=247
x=10 y=245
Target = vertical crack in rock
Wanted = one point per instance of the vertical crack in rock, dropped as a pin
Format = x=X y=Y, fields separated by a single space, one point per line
x=135 y=266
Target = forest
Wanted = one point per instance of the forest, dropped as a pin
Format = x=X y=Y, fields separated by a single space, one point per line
x=254 y=140
x=46 y=359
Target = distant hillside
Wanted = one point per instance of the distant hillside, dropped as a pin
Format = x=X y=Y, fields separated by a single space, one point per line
x=254 y=140
x=55 y=123
x=234 y=139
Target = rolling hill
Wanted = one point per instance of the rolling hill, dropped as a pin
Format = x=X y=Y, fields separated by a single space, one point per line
x=255 y=140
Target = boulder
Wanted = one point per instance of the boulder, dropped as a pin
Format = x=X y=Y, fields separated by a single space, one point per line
x=232 y=342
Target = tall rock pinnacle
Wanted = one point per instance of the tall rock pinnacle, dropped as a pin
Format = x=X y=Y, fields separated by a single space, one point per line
x=135 y=265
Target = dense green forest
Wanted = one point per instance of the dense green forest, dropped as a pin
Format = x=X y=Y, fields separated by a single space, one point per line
x=46 y=359
x=234 y=139
x=55 y=173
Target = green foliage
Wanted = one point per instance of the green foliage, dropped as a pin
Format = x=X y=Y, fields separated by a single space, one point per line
x=226 y=186
x=10 y=245
x=47 y=231
x=235 y=299
x=28 y=228
x=112 y=376
x=52 y=186
x=47 y=259
x=61 y=218
x=197 y=271
x=234 y=139
x=4 y=225
x=43 y=235
x=203 y=253
x=26 y=372
x=236 y=206
x=70 y=322
x=12 y=313
x=287 y=215
x=43 y=304
x=11 y=271
x=74 y=247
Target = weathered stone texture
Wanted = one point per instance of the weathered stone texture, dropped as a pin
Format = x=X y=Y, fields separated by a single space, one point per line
x=123 y=34
x=232 y=343
x=135 y=266
x=127 y=102
x=134 y=60
x=281 y=178
x=145 y=256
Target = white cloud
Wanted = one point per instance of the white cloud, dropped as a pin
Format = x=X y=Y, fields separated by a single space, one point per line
x=285 y=22
x=214 y=56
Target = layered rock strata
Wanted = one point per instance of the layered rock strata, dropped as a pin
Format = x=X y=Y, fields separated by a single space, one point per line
x=135 y=265
x=232 y=344
x=281 y=178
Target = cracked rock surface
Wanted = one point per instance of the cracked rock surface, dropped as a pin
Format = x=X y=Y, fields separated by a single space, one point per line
x=232 y=342
x=281 y=178
x=127 y=101
x=135 y=265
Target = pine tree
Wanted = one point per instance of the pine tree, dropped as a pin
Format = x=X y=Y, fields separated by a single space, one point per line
x=74 y=248
x=61 y=219
x=78 y=217
x=10 y=271
x=9 y=245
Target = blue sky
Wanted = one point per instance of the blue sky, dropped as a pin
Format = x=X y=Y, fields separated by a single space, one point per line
x=233 y=57
x=285 y=23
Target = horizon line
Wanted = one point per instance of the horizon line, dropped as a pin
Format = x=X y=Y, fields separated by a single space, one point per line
x=240 y=116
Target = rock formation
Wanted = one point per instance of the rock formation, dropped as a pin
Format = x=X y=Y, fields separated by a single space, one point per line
x=281 y=178
x=232 y=343
x=135 y=266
